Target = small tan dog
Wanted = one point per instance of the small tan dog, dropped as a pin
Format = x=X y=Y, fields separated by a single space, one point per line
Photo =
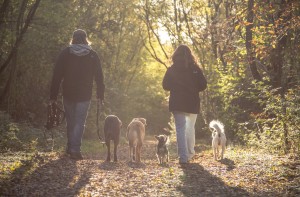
x=135 y=135
x=162 y=151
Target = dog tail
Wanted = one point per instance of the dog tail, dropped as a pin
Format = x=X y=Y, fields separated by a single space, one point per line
x=217 y=125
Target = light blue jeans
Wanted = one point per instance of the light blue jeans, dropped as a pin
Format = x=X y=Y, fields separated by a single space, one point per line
x=185 y=134
x=76 y=113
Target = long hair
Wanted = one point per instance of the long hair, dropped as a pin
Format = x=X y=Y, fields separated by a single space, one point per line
x=184 y=56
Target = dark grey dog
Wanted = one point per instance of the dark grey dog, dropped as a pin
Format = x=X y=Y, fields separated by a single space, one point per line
x=162 y=148
x=112 y=128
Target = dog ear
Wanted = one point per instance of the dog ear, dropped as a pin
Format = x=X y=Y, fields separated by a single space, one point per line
x=156 y=137
x=143 y=120
x=165 y=138
x=166 y=131
x=128 y=127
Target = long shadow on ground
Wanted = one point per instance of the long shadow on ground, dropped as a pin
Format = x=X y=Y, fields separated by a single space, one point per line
x=199 y=182
x=229 y=164
x=58 y=177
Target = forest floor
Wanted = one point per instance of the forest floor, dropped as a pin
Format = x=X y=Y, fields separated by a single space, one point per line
x=243 y=172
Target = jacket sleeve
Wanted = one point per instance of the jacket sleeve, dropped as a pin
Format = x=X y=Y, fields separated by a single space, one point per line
x=202 y=83
x=57 y=77
x=167 y=81
x=99 y=79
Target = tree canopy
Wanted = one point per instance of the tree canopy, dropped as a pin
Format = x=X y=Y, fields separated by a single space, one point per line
x=248 y=50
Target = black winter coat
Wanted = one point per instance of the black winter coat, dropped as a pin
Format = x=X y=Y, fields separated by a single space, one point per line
x=184 y=85
x=77 y=74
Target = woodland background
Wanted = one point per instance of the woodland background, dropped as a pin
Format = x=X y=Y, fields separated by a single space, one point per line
x=248 y=50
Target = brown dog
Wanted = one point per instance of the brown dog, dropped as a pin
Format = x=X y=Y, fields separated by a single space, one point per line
x=135 y=135
x=112 y=127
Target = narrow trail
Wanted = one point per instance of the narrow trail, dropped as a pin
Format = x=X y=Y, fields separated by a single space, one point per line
x=57 y=175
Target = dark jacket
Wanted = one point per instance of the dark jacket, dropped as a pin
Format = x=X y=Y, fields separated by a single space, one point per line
x=184 y=85
x=77 y=74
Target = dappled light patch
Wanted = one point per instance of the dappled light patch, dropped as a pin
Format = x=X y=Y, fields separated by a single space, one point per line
x=256 y=171
x=243 y=172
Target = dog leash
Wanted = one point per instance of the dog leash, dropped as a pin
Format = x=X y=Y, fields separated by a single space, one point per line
x=55 y=116
x=97 y=123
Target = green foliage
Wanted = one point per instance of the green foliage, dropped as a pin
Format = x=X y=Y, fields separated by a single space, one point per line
x=23 y=137
x=277 y=125
x=134 y=55
x=8 y=137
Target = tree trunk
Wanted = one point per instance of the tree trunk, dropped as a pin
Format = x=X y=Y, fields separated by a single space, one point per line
x=22 y=32
x=9 y=84
x=277 y=62
x=3 y=9
x=249 y=48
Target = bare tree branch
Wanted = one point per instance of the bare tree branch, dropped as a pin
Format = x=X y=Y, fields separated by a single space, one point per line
x=28 y=20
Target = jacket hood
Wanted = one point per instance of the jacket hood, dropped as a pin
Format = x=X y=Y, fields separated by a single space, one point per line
x=80 y=49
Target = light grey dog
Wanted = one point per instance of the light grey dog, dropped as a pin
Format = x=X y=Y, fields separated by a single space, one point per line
x=218 y=138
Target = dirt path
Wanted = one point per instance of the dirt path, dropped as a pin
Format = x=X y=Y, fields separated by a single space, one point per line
x=57 y=175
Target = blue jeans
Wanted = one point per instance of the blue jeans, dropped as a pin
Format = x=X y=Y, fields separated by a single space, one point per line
x=76 y=113
x=185 y=134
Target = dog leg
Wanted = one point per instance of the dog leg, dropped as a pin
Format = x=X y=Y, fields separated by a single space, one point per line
x=215 y=153
x=108 y=150
x=131 y=153
x=140 y=152
x=167 y=157
x=115 y=150
x=137 y=154
x=159 y=159
x=134 y=153
x=223 y=150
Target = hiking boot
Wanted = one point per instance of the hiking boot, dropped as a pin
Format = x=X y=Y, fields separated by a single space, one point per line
x=76 y=155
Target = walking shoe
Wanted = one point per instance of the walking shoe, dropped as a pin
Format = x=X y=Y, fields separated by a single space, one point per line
x=76 y=155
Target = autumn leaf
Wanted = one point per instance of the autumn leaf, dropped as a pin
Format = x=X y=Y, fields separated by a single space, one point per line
x=271 y=32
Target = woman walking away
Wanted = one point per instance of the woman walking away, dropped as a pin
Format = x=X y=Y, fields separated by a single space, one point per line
x=76 y=67
x=184 y=79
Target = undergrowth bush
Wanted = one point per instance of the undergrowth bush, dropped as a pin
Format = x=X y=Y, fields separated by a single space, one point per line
x=22 y=136
x=8 y=137
x=276 y=128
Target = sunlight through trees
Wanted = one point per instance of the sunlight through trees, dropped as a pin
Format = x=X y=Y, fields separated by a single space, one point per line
x=249 y=51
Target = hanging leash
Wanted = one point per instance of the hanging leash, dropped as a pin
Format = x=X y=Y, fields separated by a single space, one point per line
x=97 y=122
x=55 y=116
